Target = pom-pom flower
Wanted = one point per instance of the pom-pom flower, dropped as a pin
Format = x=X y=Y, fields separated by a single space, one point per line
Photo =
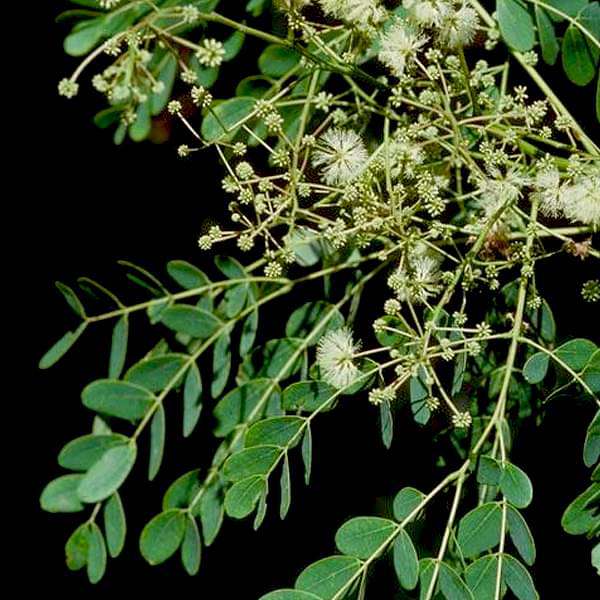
x=341 y=154
x=399 y=45
x=335 y=357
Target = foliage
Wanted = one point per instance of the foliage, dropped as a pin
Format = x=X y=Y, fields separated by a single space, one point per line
x=374 y=149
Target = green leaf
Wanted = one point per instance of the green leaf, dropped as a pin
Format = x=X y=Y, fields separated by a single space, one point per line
x=548 y=41
x=516 y=486
x=580 y=516
x=96 y=556
x=452 y=586
x=406 y=501
x=307 y=396
x=419 y=392
x=569 y=7
x=261 y=511
x=285 y=487
x=205 y=76
x=60 y=495
x=256 y=8
x=71 y=298
x=162 y=536
x=406 y=561
x=182 y=490
x=274 y=431
x=140 y=129
x=536 y=367
x=489 y=471
x=186 y=275
x=521 y=535
x=305 y=319
x=279 y=358
x=481 y=577
x=192 y=399
x=157 y=442
x=211 y=512
x=258 y=460
x=117 y=399
x=81 y=453
x=596 y=557
x=480 y=529
x=591 y=448
x=576 y=353
x=241 y=498
x=386 y=423
x=76 y=548
x=248 y=334
x=289 y=595
x=591 y=373
x=328 y=576
x=235 y=299
x=276 y=60
x=60 y=348
x=307 y=454
x=225 y=118
x=191 y=548
x=577 y=59
x=233 y=45
x=190 y=320
x=517 y=578
x=118 y=349
x=598 y=100
x=167 y=72
x=516 y=25
x=115 y=527
x=85 y=37
x=307 y=246
x=106 y=476
x=245 y=403
x=363 y=536
x=543 y=321
x=221 y=364
x=158 y=372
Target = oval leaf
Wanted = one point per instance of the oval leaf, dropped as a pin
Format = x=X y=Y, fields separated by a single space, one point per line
x=480 y=529
x=328 y=576
x=115 y=526
x=60 y=495
x=406 y=561
x=363 y=536
x=162 y=536
x=516 y=486
x=242 y=497
x=117 y=399
x=106 y=476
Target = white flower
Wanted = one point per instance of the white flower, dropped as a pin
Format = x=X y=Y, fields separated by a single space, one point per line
x=547 y=191
x=108 y=4
x=428 y=13
x=342 y=155
x=459 y=28
x=399 y=45
x=581 y=200
x=418 y=280
x=211 y=53
x=335 y=357
x=358 y=12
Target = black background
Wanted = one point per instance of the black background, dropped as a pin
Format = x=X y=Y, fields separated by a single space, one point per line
x=83 y=204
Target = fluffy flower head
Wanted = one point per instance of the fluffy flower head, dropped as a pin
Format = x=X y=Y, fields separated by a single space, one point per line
x=341 y=154
x=428 y=13
x=335 y=357
x=399 y=45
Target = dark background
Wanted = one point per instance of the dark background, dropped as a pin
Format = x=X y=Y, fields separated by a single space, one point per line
x=84 y=204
